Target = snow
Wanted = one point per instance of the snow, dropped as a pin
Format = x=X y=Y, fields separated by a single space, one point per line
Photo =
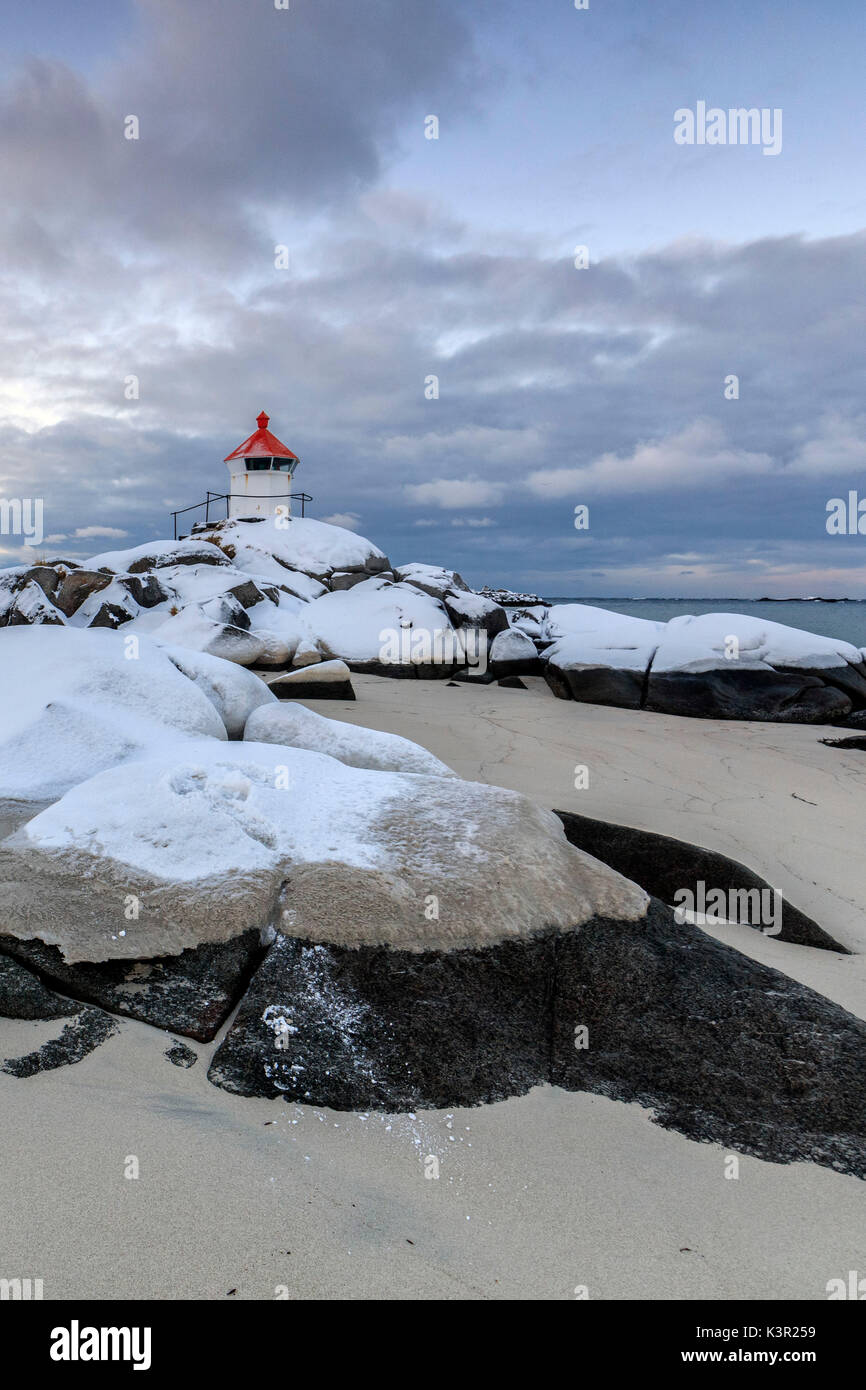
x=76 y=704
x=32 y=604
x=194 y=629
x=204 y=810
x=295 y=725
x=583 y=635
x=163 y=552
x=315 y=547
x=233 y=691
x=700 y=643
x=512 y=645
x=319 y=671
x=350 y=623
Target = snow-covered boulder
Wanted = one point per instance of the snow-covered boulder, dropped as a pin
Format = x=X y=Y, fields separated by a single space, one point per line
x=464 y=607
x=321 y=680
x=733 y=666
x=73 y=702
x=193 y=628
x=513 y=653
x=158 y=555
x=299 y=727
x=206 y=836
x=29 y=606
x=233 y=691
x=391 y=629
x=598 y=656
x=306 y=547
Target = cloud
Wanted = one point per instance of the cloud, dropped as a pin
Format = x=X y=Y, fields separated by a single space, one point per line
x=350 y=521
x=696 y=457
x=87 y=533
x=453 y=492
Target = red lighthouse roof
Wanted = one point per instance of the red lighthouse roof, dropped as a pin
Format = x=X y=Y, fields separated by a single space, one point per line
x=262 y=444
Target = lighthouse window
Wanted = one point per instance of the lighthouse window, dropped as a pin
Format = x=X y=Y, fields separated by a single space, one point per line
x=256 y=465
x=281 y=465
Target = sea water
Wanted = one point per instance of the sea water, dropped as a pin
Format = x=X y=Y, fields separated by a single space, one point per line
x=845 y=618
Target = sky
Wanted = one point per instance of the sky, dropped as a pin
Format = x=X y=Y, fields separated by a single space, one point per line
x=281 y=234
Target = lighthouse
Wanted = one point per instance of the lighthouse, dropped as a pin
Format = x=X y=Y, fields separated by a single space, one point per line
x=261 y=471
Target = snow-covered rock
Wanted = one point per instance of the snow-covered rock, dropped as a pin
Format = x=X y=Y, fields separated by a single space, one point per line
x=158 y=555
x=598 y=656
x=513 y=653
x=206 y=836
x=30 y=606
x=379 y=625
x=299 y=727
x=321 y=680
x=192 y=628
x=233 y=691
x=308 y=547
x=75 y=702
x=464 y=607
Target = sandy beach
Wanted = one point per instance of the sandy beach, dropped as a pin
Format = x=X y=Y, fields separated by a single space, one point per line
x=536 y=1197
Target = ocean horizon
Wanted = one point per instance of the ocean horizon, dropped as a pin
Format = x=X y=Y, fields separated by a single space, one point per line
x=841 y=618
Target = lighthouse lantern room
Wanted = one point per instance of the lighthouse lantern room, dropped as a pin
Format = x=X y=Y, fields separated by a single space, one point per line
x=261 y=471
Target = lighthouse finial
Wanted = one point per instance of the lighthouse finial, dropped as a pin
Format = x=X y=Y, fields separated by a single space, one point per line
x=262 y=420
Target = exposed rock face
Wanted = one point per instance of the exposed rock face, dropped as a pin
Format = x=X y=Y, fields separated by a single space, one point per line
x=23 y=995
x=663 y=866
x=355 y=1028
x=512 y=653
x=322 y=680
x=191 y=993
x=596 y=685
x=746 y=693
x=78 y=586
x=722 y=1048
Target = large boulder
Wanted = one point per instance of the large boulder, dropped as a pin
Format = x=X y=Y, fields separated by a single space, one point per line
x=233 y=691
x=730 y=666
x=211 y=839
x=512 y=653
x=298 y=727
x=191 y=993
x=78 y=700
x=386 y=629
x=315 y=680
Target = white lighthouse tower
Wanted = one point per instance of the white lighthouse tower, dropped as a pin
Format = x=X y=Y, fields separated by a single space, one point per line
x=261 y=471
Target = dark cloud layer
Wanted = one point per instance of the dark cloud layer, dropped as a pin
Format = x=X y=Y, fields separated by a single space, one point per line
x=156 y=259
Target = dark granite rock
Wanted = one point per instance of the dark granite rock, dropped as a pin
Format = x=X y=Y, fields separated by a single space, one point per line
x=662 y=865
x=511 y=683
x=180 y=1055
x=369 y=1026
x=145 y=589
x=81 y=1036
x=191 y=993
x=596 y=685
x=858 y=741
x=110 y=615
x=723 y=1049
x=205 y=555
x=78 y=586
x=23 y=995
x=742 y=693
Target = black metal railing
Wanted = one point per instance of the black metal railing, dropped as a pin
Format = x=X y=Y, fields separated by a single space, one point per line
x=213 y=497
